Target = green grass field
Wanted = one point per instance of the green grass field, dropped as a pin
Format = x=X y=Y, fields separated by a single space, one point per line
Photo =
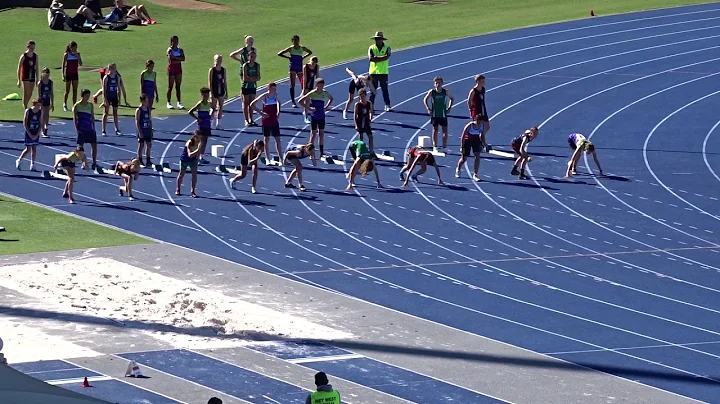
x=335 y=31
x=205 y=33
x=29 y=228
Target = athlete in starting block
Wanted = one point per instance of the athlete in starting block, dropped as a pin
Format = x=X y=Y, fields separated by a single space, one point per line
x=364 y=160
x=293 y=157
x=579 y=143
x=129 y=172
x=249 y=157
x=519 y=146
x=68 y=163
x=418 y=155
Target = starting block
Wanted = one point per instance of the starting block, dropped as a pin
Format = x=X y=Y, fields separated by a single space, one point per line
x=163 y=168
x=425 y=142
x=385 y=156
x=274 y=161
x=437 y=153
x=227 y=170
x=500 y=153
x=59 y=174
x=217 y=151
x=334 y=159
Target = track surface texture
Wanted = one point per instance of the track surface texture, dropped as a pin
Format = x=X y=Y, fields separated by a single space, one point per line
x=617 y=273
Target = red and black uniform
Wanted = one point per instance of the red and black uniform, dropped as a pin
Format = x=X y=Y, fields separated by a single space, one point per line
x=29 y=68
x=71 y=67
x=362 y=120
x=478 y=104
x=270 y=123
x=417 y=151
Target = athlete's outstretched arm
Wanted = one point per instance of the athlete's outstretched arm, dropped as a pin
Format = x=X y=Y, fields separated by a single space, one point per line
x=597 y=162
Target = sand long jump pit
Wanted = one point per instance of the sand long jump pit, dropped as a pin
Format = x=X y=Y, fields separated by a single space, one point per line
x=178 y=313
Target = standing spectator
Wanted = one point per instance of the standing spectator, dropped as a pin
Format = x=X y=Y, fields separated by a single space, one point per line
x=379 y=55
x=27 y=72
x=175 y=56
x=325 y=392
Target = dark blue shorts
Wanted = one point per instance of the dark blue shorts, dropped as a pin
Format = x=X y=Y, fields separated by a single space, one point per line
x=145 y=136
x=87 y=137
x=31 y=142
x=67 y=163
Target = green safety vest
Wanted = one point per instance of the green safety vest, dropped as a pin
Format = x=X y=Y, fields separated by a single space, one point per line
x=379 y=67
x=325 y=397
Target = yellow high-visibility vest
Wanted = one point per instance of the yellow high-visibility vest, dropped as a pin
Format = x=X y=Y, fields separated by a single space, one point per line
x=379 y=67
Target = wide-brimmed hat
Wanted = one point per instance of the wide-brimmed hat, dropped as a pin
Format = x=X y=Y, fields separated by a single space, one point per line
x=379 y=35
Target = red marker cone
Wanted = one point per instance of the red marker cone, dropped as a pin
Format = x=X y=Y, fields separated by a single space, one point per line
x=86 y=383
x=592 y=13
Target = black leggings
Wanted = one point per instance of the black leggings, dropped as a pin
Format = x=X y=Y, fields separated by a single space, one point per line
x=380 y=81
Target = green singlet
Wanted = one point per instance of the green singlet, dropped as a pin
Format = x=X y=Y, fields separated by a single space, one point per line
x=438 y=100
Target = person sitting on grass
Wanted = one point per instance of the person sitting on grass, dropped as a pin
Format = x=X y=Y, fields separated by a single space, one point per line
x=131 y=15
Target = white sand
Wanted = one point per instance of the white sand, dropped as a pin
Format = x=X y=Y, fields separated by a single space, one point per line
x=26 y=344
x=112 y=289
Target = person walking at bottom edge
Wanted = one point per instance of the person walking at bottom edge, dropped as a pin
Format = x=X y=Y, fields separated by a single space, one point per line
x=325 y=393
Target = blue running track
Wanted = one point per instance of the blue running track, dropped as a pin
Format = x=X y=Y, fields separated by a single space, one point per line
x=617 y=273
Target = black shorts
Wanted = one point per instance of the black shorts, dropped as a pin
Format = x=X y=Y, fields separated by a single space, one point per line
x=145 y=136
x=571 y=144
x=367 y=131
x=435 y=122
x=45 y=103
x=72 y=77
x=86 y=137
x=483 y=118
x=316 y=124
x=218 y=94
x=471 y=144
x=271 y=131
x=249 y=91
x=113 y=102
x=352 y=87
x=244 y=159
x=67 y=164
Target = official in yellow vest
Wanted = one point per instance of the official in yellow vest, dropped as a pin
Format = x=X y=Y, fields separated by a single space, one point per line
x=379 y=56
x=325 y=393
